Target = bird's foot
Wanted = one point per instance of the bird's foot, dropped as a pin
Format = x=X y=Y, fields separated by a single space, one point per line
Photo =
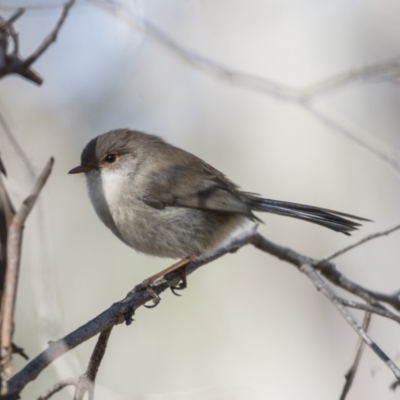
x=182 y=283
x=178 y=266
x=155 y=297
x=147 y=283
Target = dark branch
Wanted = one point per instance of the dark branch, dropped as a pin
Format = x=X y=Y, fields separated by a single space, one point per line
x=8 y=59
x=378 y=310
x=123 y=310
x=11 y=62
x=50 y=38
x=86 y=381
x=19 y=350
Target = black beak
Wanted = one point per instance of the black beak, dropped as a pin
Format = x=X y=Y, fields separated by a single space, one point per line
x=80 y=169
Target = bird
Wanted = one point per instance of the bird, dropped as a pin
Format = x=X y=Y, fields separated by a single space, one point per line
x=164 y=201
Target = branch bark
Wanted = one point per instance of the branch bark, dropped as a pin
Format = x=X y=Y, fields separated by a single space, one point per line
x=14 y=242
x=351 y=373
x=11 y=62
x=86 y=381
x=123 y=310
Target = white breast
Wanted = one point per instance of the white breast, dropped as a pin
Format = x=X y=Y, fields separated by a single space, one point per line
x=104 y=192
x=113 y=183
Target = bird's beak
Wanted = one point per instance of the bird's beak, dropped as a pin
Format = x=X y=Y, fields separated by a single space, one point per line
x=80 y=169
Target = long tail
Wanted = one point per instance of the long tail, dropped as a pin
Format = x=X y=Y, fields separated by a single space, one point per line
x=328 y=218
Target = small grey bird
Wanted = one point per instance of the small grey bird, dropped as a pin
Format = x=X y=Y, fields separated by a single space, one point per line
x=162 y=200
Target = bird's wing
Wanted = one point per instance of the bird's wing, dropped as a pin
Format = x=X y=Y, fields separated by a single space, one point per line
x=194 y=185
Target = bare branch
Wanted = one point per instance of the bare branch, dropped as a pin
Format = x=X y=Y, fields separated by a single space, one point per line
x=330 y=294
x=389 y=154
x=6 y=215
x=86 y=381
x=7 y=23
x=351 y=373
x=50 y=38
x=9 y=60
x=388 y=70
x=57 y=387
x=12 y=63
x=123 y=310
x=304 y=98
x=14 y=243
x=360 y=242
x=371 y=309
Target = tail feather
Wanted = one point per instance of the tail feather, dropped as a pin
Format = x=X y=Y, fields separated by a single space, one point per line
x=335 y=220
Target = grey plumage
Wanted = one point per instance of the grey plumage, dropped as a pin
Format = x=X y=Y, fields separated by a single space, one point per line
x=162 y=200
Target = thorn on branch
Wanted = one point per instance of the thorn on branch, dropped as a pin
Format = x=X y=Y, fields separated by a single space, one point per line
x=19 y=350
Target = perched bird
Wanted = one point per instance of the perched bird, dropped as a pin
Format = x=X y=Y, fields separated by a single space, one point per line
x=162 y=200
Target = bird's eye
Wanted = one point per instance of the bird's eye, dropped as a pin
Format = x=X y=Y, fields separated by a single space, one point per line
x=110 y=158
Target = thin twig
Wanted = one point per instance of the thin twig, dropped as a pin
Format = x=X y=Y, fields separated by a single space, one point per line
x=360 y=242
x=50 y=38
x=86 y=381
x=327 y=269
x=373 y=144
x=57 y=387
x=331 y=295
x=6 y=216
x=10 y=61
x=388 y=68
x=7 y=23
x=303 y=98
x=383 y=312
x=351 y=373
x=14 y=243
x=122 y=311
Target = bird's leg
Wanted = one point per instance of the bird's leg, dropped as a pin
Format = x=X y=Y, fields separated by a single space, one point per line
x=176 y=266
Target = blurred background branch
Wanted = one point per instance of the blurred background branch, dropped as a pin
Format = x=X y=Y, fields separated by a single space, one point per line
x=11 y=62
x=14 y=248
x=304 y=98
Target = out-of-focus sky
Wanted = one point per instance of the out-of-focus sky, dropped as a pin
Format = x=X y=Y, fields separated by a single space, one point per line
x=248 y=327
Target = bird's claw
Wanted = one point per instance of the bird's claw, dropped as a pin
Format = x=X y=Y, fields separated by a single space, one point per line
x=155 y=297
x=182 y=284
